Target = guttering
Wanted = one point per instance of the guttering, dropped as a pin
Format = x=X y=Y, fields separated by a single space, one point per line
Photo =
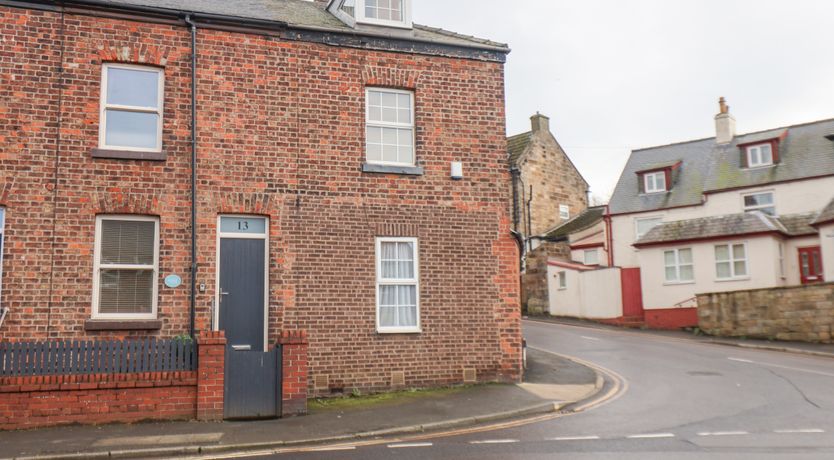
x=192 y=312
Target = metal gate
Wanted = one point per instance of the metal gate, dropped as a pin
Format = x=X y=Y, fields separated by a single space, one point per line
x=253 y=384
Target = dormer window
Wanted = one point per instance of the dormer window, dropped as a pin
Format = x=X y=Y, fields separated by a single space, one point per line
x=654 y=182
x=391 y=13
x=759 y=155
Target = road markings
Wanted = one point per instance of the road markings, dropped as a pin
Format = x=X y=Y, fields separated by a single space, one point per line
x=495 y=441
x=778 y=366
x=723 y=433
x=409 y=444
x=800 y=431
x=589 y=338
x=651 y=436
x=573 y=438
x=330 y=449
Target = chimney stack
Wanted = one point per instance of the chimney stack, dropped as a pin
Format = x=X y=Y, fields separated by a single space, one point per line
x=725 y=124
x=540 y=123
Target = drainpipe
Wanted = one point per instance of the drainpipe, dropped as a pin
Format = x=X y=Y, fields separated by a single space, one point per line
x=3 y=312
x=514 y=173
x=193 y=299
x=609 y=236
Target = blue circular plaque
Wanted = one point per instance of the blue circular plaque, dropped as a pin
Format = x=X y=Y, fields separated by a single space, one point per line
x=173 y=281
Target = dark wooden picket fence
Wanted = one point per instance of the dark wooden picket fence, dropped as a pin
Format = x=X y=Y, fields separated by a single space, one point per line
x=79 y=357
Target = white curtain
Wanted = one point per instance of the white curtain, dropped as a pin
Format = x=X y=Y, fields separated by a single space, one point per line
x=398 y=306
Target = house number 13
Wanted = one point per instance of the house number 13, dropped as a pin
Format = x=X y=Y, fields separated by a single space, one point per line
x=242 y=225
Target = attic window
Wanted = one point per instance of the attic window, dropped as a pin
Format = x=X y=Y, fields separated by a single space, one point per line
x=654 y=182
x=391 y=13
x=759 y=155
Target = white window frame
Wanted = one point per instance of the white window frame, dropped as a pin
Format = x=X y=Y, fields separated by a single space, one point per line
x=98 y=266
x=404 y=24
x=761 y=206
x=562 y=280
x=637 y=234
x=564 y=211
x=732 y=261
x=253 y=236
x=756 y=150
x=103 y=106
x=387 y=124
x=380 y=281
x=654 y=182
x=677 y=266
x=585 y=253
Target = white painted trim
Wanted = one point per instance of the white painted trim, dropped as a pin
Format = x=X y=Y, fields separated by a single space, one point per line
x=103 y=106
x=646 y=177
x=732 y=260
x=242 y=236
x=406 y=23
x=677 y=266
x=383 y=124
x=758 y=149
x=414 y=282
x=564 y=211
x=637 y=220
x=770 y=192
x=97 y=266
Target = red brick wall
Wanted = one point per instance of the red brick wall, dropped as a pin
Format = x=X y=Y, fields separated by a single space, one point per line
x=281 y=129
x=32 y=402
x=211 y=377
x=294 y=366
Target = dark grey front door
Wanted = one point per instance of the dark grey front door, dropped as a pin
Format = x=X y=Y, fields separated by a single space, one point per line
x=252 y=374
x=242 y=292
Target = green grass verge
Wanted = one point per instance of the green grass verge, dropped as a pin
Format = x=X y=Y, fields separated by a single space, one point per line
x=356 y=401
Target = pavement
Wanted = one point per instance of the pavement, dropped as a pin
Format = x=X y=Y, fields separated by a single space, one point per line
x=815 y=349
x=551 y=384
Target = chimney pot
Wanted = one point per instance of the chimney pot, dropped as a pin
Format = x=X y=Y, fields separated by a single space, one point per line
x=540 y=123
x=725 y=124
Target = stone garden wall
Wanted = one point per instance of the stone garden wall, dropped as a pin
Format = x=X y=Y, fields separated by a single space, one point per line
x=799 y=313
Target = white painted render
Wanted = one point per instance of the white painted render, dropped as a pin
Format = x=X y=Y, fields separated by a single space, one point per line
x=762 y=254
x=827 y=239
x=593 y=294
x=790 y=198
x=591 y=235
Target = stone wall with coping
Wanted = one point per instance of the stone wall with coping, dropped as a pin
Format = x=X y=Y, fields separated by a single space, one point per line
x=798 y=313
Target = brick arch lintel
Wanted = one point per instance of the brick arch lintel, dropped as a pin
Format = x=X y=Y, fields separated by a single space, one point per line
x=390 y=77
x=133 y=54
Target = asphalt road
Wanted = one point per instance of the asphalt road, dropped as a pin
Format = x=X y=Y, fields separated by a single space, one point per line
x=681 y=400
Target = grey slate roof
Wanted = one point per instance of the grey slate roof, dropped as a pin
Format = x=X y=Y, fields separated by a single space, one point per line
x=516 y=145
x=826 y=215
x=582 y=221
x=304 y=14
x=707 y=167
x=730 y=225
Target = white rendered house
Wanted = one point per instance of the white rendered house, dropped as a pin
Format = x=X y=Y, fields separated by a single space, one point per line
x=726 y=213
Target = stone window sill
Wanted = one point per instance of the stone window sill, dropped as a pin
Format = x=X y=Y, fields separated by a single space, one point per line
x=122 y=325
x=128 y=155
x=390 y=169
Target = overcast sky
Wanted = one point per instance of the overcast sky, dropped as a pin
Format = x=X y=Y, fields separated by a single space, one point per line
x=617 y=75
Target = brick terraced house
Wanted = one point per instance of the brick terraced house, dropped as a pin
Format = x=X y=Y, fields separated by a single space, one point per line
x=326 y=137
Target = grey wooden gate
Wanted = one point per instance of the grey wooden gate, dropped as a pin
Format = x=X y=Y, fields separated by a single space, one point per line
x=253 y=384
